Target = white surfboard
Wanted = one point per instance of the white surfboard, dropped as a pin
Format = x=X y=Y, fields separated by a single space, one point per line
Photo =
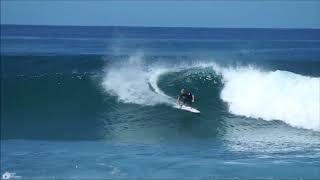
x=187 y=108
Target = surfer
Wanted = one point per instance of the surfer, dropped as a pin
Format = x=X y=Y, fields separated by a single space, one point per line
x=185 y=98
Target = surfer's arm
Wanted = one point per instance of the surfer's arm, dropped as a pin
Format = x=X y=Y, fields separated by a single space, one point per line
x=192 y=98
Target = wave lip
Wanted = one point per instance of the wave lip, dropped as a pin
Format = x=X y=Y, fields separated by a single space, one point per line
x=276 y=95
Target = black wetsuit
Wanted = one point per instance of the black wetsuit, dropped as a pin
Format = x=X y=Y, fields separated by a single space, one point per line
x=186 y=98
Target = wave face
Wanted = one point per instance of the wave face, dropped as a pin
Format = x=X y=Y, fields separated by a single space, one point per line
x=98 y=98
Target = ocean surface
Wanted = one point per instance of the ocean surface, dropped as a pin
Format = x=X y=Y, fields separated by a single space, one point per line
x=98 y=103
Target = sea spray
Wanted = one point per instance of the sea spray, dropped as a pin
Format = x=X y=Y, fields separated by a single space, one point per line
x=130 y=82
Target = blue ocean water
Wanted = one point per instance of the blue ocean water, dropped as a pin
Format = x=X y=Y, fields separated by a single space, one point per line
x=99 y=103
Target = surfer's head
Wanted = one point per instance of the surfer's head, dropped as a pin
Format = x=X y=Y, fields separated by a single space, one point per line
x=183 y=91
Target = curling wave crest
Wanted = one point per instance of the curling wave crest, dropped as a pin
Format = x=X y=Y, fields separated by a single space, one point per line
x=248 y=91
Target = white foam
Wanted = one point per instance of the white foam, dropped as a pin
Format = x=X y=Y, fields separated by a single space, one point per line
x=276 y=95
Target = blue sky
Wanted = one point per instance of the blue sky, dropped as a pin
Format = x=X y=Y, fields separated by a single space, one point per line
x=256 y=14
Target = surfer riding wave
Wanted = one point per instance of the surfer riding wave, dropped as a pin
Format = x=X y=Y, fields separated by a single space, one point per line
x=185 y=98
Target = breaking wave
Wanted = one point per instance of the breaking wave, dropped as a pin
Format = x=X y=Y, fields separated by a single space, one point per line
x=248 y=91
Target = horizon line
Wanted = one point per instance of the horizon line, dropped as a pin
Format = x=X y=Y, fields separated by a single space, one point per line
x=125 y=26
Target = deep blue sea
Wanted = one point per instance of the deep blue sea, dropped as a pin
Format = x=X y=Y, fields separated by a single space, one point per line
x=99 y=103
